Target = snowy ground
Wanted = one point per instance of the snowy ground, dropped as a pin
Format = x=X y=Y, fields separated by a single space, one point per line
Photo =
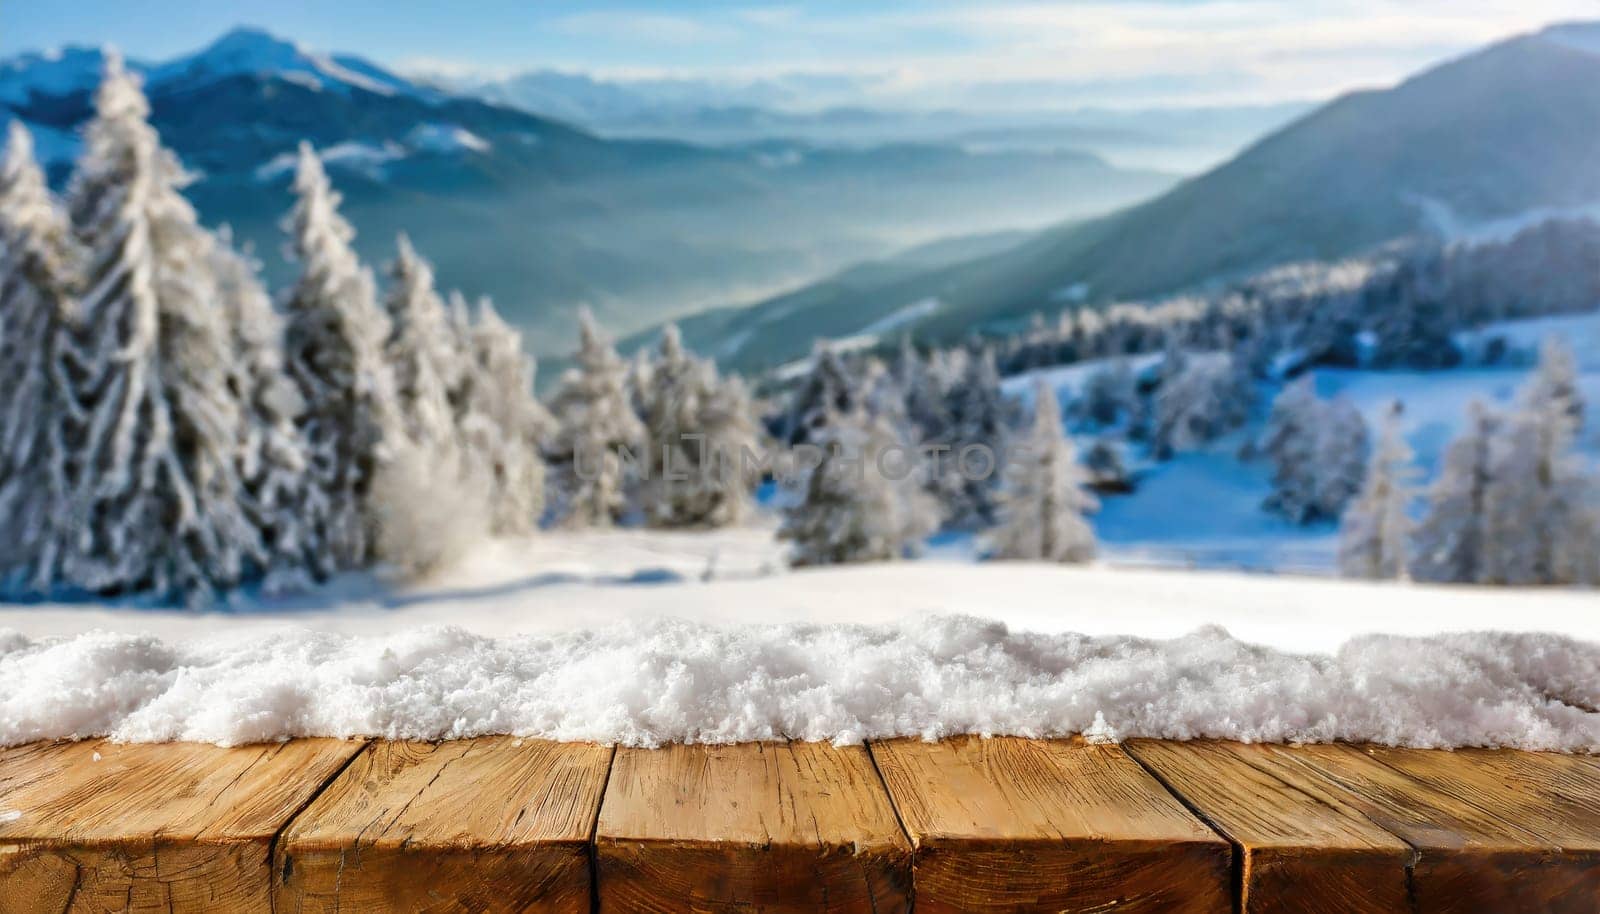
x=619 y=637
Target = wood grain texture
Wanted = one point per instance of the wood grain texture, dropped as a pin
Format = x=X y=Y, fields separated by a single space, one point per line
x=1302 y=848
x=480 y=825
x=1025 y=825
x=98 y=827
x=758 y=826
x=1483 y=841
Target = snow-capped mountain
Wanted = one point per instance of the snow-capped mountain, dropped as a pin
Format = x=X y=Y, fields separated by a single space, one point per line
x=240 y=52
x=253 y=52
x=1481 y=141
x=541 y=215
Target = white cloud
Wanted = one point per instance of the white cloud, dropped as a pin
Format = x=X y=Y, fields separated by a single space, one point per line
x=1061 y=54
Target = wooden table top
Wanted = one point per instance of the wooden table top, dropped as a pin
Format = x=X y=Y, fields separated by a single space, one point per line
x=968 y=824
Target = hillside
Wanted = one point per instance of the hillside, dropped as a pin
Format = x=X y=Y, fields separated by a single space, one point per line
x=538 y=214
x=1507 y=130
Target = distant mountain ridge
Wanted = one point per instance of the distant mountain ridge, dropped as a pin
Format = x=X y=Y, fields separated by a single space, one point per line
x=539 y=214
x=839 y=110
x=1509 y=129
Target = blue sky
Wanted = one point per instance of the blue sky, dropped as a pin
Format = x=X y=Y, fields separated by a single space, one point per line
x=1147 y=51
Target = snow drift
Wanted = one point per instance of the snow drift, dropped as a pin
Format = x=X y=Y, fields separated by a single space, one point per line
x=647 y=683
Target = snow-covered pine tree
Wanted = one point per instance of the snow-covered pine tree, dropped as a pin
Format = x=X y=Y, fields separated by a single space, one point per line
x=1289 y=442
x=1201 y=399
x=669 y=389
x=1110 y=395
x=1043 y=502
x=462 y=327
x=1540 y=492
x=1451 y=540
x=598 y=424
x=865 y=502
x=40 y=420
x=334 y=338
x=882 y=395
x=829 y=387
x=732 y=434
x=158 y=503
x=287 y=509
x=1555 y=381
x=1339 y=458
x=503 y=424
x=1374 y=537
x=1577 y=553
x=701 y=429
x=924 y=396
x=421 y=351
x=980 y=425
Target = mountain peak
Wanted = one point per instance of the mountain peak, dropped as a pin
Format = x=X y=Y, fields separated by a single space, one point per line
x=245 y=44
x=250 y=51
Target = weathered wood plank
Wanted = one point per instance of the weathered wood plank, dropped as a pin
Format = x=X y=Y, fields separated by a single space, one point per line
x=97 y=827
x=758 y=826
x=483 y=825
x=1551 y=795
x=1484 y=840
x=1302 y=847
x=1021 y=825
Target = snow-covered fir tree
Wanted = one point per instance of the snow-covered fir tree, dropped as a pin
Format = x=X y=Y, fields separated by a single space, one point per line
x=600 y=434
x=288 y=510
x=1110 y=396
x=1540 y=498
x=334 y=339
x=669 y=389
x=865 y=502
x=1451 y=541
x=925 y=396
x=1289 y=441
x=980 y=426
x=422 y=350
x=158 y=503
x=1043 y=502
x=502 y=423
x=703 y=439
x=1375 y=535
x=882 y=395
x=1197 y=401
x=40 y=420
x=829 y=387
x=727 y=471
x=1340 y=449
x=1555 y=381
